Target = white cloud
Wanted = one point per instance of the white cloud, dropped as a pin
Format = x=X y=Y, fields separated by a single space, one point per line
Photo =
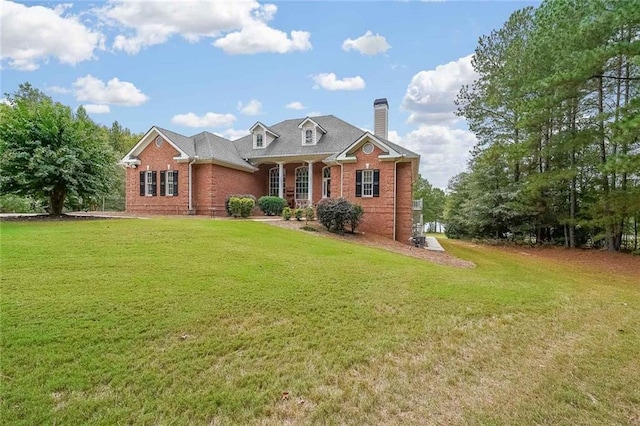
x=431 y=94
x=328 y=81
x=253 y=107
x=34 y=34
x=258 y=37
x=368 y=44
x=5 y=101
x=117 y=92
x=314 y=114
x=210 y=119
x=295 y=105
x=444 y=151
x=149 y=23
x=232 y=134
x=97 y=109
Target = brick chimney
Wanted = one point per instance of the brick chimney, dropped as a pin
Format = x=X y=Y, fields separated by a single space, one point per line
x=381 y=117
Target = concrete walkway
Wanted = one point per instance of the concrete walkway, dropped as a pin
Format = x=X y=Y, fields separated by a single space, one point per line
x=433 y=244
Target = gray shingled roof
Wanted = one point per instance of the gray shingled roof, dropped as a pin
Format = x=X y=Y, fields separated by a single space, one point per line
x=339 y=136
x=206 y=145
x=402 y=150
x=183 y=142
x=218 y=148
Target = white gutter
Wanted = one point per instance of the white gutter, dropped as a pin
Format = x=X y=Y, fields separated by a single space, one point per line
x=190 y=180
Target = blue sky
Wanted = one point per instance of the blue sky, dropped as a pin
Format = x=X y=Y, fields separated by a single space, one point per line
x=221 y=66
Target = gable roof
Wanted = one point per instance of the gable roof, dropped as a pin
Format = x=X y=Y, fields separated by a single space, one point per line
x=339 y=138
x=314 y=122
x=339 y=135
x=266 y=128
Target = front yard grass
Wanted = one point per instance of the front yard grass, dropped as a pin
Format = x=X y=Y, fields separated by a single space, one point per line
x=182 y=321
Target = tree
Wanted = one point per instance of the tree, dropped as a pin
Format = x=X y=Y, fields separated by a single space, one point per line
x=432 y=200
x=555 y=110
x=48 y=151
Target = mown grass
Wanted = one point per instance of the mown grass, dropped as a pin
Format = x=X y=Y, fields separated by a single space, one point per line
x=178 y=321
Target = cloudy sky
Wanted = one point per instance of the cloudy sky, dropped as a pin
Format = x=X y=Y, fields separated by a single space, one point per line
x=221 y=66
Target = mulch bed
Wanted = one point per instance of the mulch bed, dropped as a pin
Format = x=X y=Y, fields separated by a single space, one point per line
x=371 y=240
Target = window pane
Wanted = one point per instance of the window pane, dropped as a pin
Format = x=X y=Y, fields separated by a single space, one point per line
x=367 y=183
x=302 y=183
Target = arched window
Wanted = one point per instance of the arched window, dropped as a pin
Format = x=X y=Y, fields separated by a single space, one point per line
x=326 y=182
x=302 y=183
x=308 y=137
x=274 y=177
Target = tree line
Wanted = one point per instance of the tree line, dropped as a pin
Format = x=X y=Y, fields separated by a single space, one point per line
x=556 y=112
x=52 y=157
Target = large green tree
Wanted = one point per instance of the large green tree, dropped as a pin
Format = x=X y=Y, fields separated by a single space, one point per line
x=555 y=109
x=47 y=150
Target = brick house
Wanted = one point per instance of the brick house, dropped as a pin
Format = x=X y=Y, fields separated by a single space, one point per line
x=301 y=160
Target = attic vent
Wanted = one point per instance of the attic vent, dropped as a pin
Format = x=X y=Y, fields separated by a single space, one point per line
x=159 y=141
x=367 y=148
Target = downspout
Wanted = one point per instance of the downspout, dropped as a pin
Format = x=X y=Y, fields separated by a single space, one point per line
x=395 y=195
x=395 y=190
x=341 y=178
x=190 y=180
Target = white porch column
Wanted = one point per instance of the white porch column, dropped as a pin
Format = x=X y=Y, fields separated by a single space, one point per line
x=280 y=180
x=310 y=182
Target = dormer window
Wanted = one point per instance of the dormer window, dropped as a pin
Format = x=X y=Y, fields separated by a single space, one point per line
x=262 y=136
x=310 y=131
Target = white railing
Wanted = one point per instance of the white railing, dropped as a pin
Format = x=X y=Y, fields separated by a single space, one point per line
x=417 y=204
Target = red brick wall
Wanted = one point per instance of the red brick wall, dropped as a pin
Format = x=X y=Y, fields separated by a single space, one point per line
x=404 y=202
x=157 y=158
x=213 y=183
x=226 y=181
x=378 y=211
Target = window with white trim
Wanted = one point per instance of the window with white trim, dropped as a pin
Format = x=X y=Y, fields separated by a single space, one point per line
x=326 y=182
x=367 y=183
x=274 y=181
x=168 y=183
x=308 y=137
x=149 y=187
x=259 y=140
x=302 y=183
x=148 y=183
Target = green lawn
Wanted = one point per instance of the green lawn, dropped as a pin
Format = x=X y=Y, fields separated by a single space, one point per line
x=183 y=321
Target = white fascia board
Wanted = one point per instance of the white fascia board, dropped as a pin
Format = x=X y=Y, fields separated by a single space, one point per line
x=144 y=141
x=247 y=168
x=265 y=128
x=391 y=153
x=314 y=123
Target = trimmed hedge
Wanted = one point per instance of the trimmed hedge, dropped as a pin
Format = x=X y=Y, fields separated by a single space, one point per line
x=271 y=206
x=336 y=213
x=226 y=201
x=241 y=207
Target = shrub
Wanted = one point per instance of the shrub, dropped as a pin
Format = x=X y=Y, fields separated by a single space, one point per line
x=226 y=201
x=355 y=217
x=298 y=213
x=241 y=207
x=286 y=213
x=309 y=213
x=271 y=206
x=335 y=213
